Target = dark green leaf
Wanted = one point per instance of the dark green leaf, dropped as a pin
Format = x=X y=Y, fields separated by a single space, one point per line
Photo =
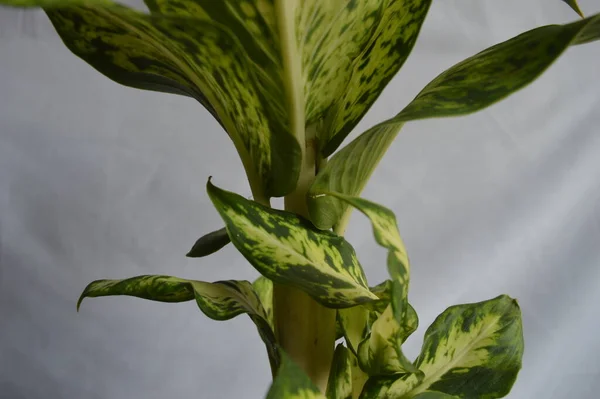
x=209 y=243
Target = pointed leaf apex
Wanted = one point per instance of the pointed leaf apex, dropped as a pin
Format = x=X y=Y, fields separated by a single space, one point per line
x=575 y=7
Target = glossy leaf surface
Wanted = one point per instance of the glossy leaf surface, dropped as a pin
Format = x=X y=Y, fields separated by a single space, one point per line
x=467 y=87
x=289 y=250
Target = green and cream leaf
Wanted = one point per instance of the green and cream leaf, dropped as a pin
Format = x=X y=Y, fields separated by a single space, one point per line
x=221 y=300
x=291 y=382
x=264 y=289
x=289 y=250
x=470 y=351
x=339 y=384
x=467 y=87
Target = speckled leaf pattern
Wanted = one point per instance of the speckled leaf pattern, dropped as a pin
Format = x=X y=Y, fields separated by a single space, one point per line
x=467 y=87
x=265 y=69
x=209 y=243
x=385 y=230
x=380 y=353
x=349 y=62
x=221 y=300
x=470 y=351
x=264 y=289
x=194 y=55
x=289 y=250
x=292 y=382
x=339 y=384
x=355 y=323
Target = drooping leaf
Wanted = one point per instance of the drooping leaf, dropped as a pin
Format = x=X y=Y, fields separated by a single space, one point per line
x=355 y=322
x=292 y=382
x=385 y=230
x=339 y=384
x=573 y=4
x=380 y=353
x=221 y=300
x=470 y=351
x=467 y=87
x=289 y=250
x=264 y=289
x=209 y=244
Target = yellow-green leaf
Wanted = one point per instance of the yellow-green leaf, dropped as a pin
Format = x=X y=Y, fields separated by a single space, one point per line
x=264 y=289
x=385 y=230
x=470 y=351
x=221 y=300
x=289 y=250
x=383 y=34
x=467 y=87
x=292 y=382
x=266 y=69
x=339 y=384
x=209 y=243
x=380 y=353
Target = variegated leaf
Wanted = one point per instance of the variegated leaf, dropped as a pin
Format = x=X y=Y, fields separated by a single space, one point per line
x=266 y=69
x=291 y=382
x=467 y=87
x=288 y=250
x=470 y=351
x=221 y=300
x=385 y=230
x=339 y=385
x=573 y=4
x=383 y=34
x=223 y=67
x=356 y=322
x=380 y=353
x=209 y=244
x=264 y=289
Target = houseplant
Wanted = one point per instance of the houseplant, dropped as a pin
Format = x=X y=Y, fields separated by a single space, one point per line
x=244 y=85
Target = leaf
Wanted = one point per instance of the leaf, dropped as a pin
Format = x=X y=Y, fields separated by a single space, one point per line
x=288 y=250
x=389 y=30
x=221 y=300
x=209 y=244
x=234 y=77
x=385 y=230
x=573 y=4
x=467 y=87
x=470 y=351
x=339 y=385
x=292 y=383
x=266 y=70
x=264 y=289
x=355 y=323
x=380 y=353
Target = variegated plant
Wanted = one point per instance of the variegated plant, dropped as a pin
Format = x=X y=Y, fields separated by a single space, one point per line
x=288 y=80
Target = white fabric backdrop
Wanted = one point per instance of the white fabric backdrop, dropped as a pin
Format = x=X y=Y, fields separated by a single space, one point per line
x=102 y=181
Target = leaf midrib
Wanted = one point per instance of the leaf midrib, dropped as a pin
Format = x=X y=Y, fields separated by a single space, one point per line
x=427 y=381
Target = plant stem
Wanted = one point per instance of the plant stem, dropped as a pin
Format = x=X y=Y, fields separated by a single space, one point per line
x=304 y=328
